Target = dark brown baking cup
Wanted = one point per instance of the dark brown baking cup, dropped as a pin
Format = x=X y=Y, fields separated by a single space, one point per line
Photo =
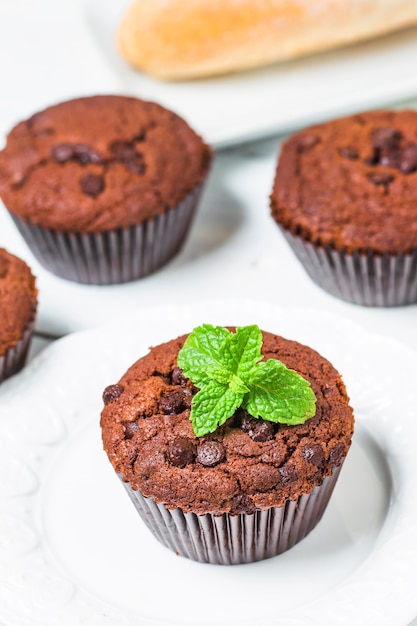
x=13 y=360
x=115 y=256
x=234 y=539
x=365 y=278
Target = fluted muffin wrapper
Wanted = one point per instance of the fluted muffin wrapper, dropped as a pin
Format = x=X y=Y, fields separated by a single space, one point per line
x=366 y=278
x=13 y=360
x=114 y=256
x=234 y=539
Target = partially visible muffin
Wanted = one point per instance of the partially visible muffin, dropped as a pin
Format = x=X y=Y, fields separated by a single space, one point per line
x=103 y=188
x=245 y=492
x=345 y=197
x=18 y=302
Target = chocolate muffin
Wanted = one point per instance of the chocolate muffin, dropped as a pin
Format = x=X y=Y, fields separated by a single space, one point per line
x=345 y=197
x=18 y=301
x=103 y=188
x=245 y=492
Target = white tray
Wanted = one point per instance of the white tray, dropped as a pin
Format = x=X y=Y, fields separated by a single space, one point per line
x=278 y=98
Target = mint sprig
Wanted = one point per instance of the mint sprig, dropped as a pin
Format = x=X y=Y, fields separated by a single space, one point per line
x=230 y=373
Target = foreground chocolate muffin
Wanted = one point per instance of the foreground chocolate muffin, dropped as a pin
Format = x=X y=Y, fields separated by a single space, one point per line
x=18 y=302
x=345 y=197
x=249 y=489
x=103 y=188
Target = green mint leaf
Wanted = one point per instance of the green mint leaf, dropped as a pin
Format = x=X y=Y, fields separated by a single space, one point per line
x=237 y=385
x=212 y=406
x=225 y=377
x=279 y=394
x=219 y=374
x=200 y=353
x=229 y=371
x=242 y=350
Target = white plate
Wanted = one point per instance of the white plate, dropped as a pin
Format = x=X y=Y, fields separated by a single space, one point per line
x=74 y=552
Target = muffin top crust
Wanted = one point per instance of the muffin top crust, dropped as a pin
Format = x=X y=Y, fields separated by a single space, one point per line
x=18 y=296
x=99 y=163
x=247 y=463
x=351 y=183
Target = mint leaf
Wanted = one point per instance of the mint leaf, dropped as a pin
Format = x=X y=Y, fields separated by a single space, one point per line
x=212 y=406
x=279 y=394
x=237 y=385
x=219 y=374
x=229 y=371
x=242 y=350
x=200 y=353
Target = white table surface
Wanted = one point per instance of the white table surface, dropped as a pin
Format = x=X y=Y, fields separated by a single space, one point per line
x=234 y=248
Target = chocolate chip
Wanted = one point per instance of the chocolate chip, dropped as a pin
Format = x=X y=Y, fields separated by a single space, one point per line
x=288 y=473
x=313 y=453
x=62 y=152
x=257 y=429
x=377 y=178
x=122 y=150
x=125 y=152
x=263 y=431
x=112 y=392
x=171 y=402
x=245 y=421
x=130 y=429
x=385 y=138
x=86 y=154
x=210 y=453
x=180 y=452
x=349 y=153
x=242 y=504
x=136 y=165
x=336 y=453
x=92 y=184
x=188 y=397
x=390 y=159
x=373 y=159
x=178 y=377
x=305 y=141
x=408 y=159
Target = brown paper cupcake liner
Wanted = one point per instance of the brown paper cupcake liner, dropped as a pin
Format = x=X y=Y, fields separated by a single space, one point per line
x=116 y=256
x=13 y=360
x=233 y=539
x=365 y=278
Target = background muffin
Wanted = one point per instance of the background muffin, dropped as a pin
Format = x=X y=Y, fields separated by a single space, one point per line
x=103 y=188
x=243 y=492
x=345 y=197
x=18 y=301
